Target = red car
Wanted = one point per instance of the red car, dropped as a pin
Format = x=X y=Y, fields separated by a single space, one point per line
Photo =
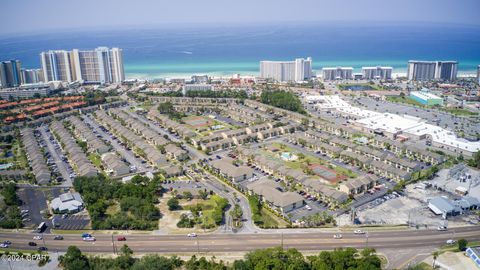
x=121 y=238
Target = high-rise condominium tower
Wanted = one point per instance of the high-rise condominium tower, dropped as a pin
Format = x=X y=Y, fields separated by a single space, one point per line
x=285 y=71
x=102 y=65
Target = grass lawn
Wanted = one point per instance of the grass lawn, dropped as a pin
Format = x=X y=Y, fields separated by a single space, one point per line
x=270 y=220
x=363 y=86
x=405 y=100
x=454 y=247
x=308 y=159
x=95 y=159
x=424 y=266
x=458 y=111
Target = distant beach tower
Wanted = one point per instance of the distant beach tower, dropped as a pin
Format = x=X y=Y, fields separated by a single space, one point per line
x=432 y=70
x=298 y=70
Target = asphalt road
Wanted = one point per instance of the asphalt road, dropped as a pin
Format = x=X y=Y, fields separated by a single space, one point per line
x=55 y=153
x=142 y=243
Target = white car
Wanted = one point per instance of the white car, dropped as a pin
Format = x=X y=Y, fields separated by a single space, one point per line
x=359 y=232
x=3 y=245
x=308 y=207
x=451 y=242
x=192 y=235
x=442 y=228
x=337 y=236
x=89 y=239
x=37 y=237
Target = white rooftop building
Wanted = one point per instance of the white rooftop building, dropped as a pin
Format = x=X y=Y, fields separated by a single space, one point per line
x=70 y=202
x=392 y=125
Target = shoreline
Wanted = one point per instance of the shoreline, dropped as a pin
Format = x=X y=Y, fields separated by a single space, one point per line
x=244 y=74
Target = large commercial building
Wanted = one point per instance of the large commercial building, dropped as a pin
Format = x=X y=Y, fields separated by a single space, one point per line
x=432 y=70
x=377 y=73
x=337 y=73
x=102 y=65
x=426 y=98
x=286 y=71
x=10 y=75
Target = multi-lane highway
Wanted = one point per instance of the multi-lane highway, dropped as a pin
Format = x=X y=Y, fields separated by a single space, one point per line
x=142 y=243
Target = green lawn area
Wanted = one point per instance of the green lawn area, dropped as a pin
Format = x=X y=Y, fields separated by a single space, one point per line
x=454 y=248
x=360 y=86
x=270 y=220
x=458 y=111
x=95 y=159
x=405 y=100
x=308 y=159
x=209 y=209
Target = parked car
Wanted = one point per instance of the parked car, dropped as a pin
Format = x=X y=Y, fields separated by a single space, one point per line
x=451 y=242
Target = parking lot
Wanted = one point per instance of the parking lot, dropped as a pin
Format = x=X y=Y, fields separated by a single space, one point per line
x=432 y=116
x=128 y=156
x=76 y=221
x=34 y=200
x=56 y=160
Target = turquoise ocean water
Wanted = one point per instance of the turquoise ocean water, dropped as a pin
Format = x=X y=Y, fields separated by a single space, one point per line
x=157 y=52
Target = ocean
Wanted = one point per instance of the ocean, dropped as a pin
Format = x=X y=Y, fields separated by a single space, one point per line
x=160 y=52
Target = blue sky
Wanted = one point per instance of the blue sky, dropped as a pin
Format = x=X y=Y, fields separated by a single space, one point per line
x=19 y=16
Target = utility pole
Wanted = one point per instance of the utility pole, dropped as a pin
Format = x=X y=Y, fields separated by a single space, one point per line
x=282 y=241
x=113 y=245
x=366 y=242
x=43 y=239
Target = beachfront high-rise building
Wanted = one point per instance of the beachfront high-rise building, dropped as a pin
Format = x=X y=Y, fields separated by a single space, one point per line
x=57 y=66
x=337 y=73
x=10 y=75
x=102 y=65
x=432 y=70
x=285 y=71
x=32 y=75
x=377 y=73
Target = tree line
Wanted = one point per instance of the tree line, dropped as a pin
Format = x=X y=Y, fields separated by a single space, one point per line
x=282 y=99
x=136 y=200
x=263 y=259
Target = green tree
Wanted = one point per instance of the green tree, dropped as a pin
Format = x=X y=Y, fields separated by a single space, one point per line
x=74 y=259
x=173 y=204
x=187 y=195
x=462 y=244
